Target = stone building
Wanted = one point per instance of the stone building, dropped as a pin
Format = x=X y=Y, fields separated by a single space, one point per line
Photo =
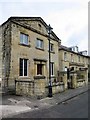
x=25 y=55
x=24 y=59
x=89 y=68
x=73 y=66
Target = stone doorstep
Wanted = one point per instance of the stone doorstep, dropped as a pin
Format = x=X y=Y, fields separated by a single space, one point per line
x=7 y=110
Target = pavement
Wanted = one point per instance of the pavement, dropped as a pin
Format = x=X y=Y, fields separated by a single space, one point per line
x=12 y=105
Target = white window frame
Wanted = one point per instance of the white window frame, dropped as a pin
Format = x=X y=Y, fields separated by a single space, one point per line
x=24 y=68
x=23 y=38
x=39 y=44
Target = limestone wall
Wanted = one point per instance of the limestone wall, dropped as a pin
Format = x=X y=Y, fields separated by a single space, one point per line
x=36 y=88
x=0 y=56
x=6 y=53
x=57 y=88
x=25 y=88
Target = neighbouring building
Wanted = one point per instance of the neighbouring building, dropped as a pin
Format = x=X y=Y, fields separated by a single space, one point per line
x=73 y=66
x=24 y=59
x=89 y=68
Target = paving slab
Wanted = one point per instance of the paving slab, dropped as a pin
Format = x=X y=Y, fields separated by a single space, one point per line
x=8 y=110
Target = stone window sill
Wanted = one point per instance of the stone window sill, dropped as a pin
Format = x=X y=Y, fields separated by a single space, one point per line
x=39 y=48
x=24 y=45
x=39 y=77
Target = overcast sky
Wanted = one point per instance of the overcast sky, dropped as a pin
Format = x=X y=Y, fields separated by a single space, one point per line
x=69 y=18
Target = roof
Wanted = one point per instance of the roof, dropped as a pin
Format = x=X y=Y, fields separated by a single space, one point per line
x=29 y=19
x=63 y=48
x=68 y=50
x=17 y=19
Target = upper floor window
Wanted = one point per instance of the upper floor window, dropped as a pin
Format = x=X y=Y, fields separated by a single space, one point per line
x=39 y=44
x=72 y=60
x=78 y=58
x=23 y=38
x=76 y=49
x=73 y=48
x=65 y=56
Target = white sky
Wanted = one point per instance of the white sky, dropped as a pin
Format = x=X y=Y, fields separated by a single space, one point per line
x=69 y=18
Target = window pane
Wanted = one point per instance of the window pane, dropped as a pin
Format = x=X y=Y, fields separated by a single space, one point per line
x=26 y=40
x=21 y=38
x=21 y=67
x=39 y=43
x=52 y=68
x=25 y=67
x=39 y=69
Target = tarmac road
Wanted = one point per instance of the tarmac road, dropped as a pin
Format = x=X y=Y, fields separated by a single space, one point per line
x=77 y=107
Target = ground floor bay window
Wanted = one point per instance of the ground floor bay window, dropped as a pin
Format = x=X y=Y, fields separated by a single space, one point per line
x=23 y=67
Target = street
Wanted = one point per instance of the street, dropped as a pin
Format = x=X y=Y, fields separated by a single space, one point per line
x=74 y=108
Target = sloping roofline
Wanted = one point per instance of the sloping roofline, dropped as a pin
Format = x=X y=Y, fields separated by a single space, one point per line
x=15 y=18
x=68 y=50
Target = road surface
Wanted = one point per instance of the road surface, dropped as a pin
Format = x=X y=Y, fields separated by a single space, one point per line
x=74 y=108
